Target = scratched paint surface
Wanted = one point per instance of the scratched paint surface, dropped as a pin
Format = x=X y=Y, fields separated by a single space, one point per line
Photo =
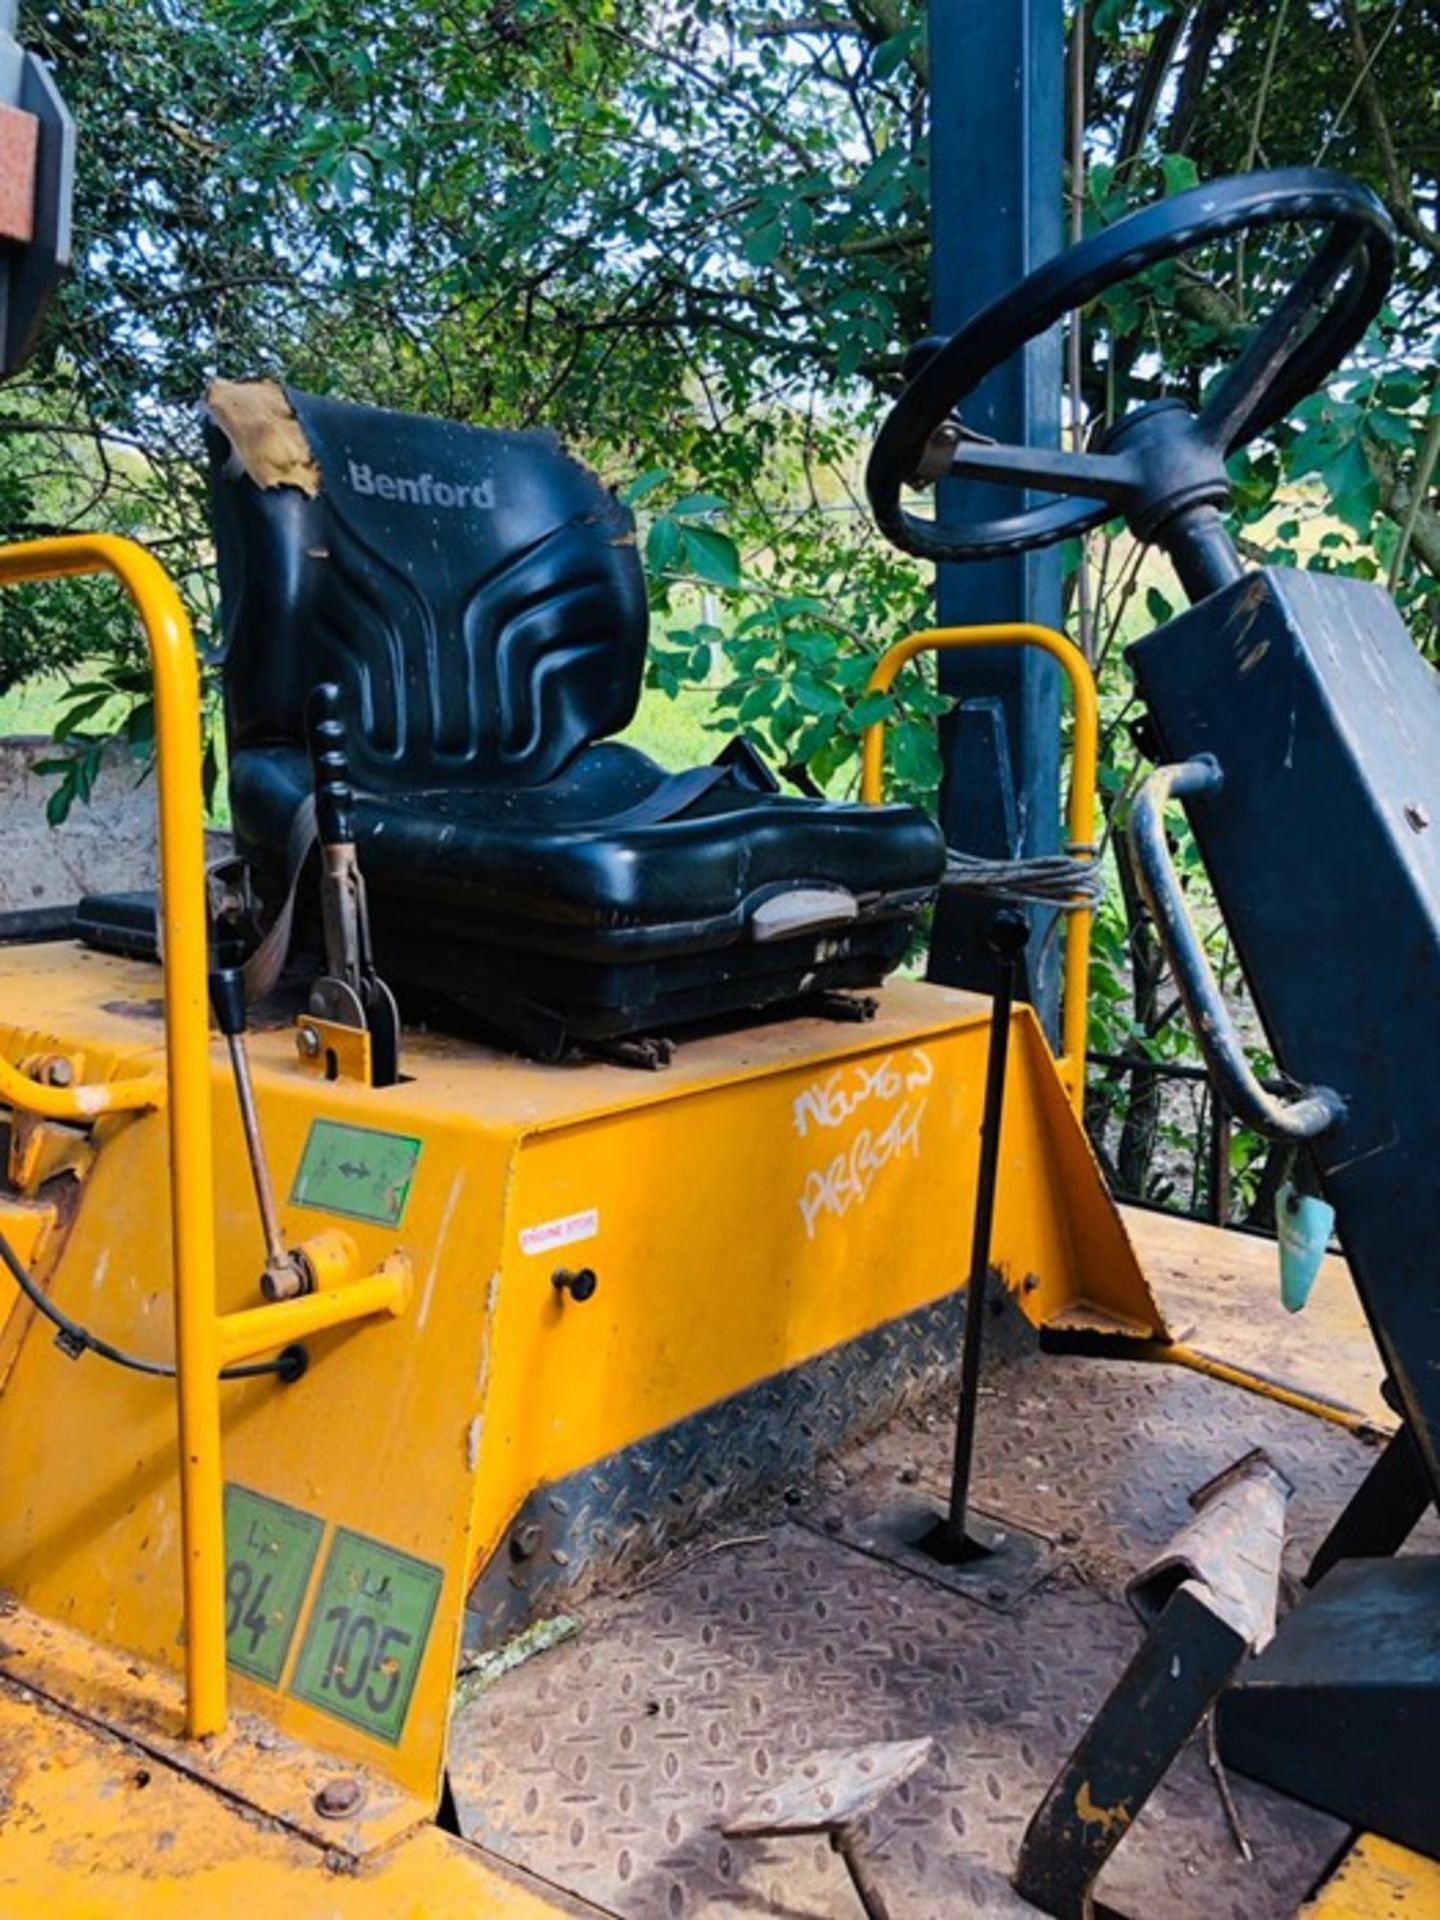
x=892 y=1094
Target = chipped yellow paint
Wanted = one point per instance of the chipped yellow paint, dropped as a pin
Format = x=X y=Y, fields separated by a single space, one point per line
x=93 y=1828
x=1109 y=1819
x=1378 y=1880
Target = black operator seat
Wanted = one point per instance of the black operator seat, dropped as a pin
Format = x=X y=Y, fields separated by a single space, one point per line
x=478 y=598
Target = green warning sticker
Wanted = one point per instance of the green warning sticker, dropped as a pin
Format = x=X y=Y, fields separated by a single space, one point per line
x=356 y=1171
x=269 y=1551
x=367 y=1634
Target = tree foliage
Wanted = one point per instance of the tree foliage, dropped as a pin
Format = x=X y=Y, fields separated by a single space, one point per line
x=692 y=235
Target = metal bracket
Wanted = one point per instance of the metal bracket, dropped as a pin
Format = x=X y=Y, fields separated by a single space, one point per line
x=1208 y=1599
x=334 y=1049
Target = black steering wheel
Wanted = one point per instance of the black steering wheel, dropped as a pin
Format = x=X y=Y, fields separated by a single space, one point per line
x=1178 y=458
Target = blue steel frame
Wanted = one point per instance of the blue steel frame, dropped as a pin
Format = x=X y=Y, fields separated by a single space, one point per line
x=996 y=137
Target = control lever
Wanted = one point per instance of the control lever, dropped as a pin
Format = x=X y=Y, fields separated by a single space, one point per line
x=286 y=1274
x=349 y=992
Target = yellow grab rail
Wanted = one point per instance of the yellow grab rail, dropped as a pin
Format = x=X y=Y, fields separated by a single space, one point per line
x=1080 y=813
x=19 y=1091
x=205 y=1340
x=187 y=1050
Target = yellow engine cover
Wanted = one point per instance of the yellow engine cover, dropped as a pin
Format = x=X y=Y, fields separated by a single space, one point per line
x=774 y=1193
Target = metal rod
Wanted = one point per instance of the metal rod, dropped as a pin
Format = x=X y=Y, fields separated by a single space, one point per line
x=1219 y=1194
x=1201 y=551
x=1008 y=936
x=1303 y=1115
x=842 y=1840
x=255 y=1148
x=1167 y=1069
x=252 y=1330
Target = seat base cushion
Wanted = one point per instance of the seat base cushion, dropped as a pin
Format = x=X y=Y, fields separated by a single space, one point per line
x=541 y=1003
x=563 y=867
x=613 y=898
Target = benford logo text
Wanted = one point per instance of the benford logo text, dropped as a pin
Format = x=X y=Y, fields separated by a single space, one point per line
x=421 y=489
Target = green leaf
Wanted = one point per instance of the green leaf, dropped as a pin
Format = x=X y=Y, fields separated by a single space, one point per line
x=817 y=696
x=75 y=717
x=764 y=241
x=1354 y=490
x=57 y=807
x=893 y=53
x=712 y=556
x=874 y=707
x=1394 y=428
x=662 y=545
x=647 y=483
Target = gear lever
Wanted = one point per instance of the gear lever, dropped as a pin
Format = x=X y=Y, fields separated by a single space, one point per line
x=349 y=992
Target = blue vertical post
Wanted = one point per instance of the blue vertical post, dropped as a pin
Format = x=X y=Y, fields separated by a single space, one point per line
x=997 y=115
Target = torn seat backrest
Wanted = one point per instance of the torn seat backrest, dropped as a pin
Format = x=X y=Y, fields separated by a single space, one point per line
x=477 y=594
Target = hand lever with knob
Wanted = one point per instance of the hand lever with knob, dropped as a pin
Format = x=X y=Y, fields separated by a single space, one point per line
x=350 y=993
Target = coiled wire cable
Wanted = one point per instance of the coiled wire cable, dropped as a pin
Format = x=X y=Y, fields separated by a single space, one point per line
x=75 y=1340
x=1072 y=881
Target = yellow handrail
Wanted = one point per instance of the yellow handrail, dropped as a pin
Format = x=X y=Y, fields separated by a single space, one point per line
x=187 y=1049
x=1080 y=814
x=205 y=1339
x=83 y=1103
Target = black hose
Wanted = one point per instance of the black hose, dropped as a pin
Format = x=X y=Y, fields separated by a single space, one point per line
x=75 y=1340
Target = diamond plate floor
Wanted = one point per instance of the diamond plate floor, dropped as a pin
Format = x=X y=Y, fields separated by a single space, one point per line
x=609 y=1764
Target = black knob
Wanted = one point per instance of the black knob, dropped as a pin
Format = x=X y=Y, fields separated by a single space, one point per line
x=1009 y=932
x=580 y=1285
x=227 y=997
x=334 y=797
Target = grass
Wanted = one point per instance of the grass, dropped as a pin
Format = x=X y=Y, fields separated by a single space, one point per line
x=33 y=707
x=674 y=731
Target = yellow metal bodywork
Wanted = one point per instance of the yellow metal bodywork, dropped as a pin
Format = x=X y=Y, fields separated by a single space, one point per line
x=1080 y=810
x=774 y=1193
x=1378 y=1880
x=94 y=1830
x=36 y=1096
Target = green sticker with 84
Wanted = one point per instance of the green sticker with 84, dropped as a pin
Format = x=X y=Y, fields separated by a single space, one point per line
x=367 y=1634
x=269 y=1551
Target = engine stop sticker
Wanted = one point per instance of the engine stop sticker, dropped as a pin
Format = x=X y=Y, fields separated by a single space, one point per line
x=563 y=1232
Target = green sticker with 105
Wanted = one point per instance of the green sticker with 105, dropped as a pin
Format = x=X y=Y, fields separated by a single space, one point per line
x=367 y=1633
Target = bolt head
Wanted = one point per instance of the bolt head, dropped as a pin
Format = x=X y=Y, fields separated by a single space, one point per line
x=525 y=1539
x=307 y=1043
x=339 y=1798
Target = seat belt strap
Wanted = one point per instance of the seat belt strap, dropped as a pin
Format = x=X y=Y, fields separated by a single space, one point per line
x=675 y=794
x=264 y=967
